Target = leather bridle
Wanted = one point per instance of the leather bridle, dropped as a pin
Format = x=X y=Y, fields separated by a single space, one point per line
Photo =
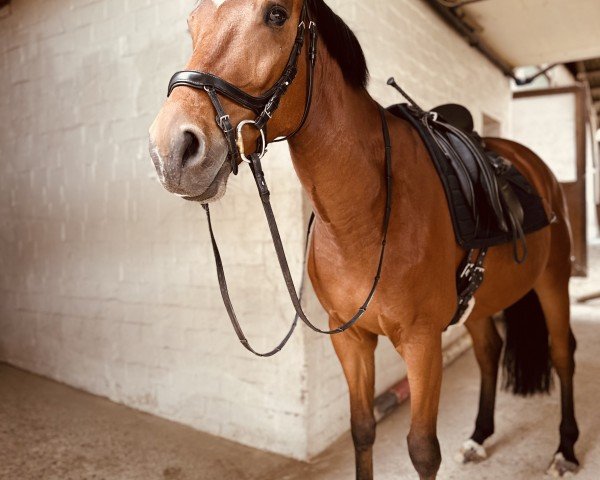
x=265 y=105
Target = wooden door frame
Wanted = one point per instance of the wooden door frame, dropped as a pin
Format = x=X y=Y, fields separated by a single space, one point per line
x=574 y=191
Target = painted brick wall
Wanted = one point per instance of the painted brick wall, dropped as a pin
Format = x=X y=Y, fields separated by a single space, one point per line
x=107 y=282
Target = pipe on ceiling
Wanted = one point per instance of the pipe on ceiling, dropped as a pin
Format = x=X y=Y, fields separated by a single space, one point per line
x=449 y=15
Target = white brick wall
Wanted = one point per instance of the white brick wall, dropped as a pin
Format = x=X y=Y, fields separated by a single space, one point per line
x=107 y=282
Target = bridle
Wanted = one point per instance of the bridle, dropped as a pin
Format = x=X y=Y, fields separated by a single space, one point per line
x=264 y=106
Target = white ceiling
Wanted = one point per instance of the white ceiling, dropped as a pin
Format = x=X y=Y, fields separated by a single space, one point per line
x=533 y=32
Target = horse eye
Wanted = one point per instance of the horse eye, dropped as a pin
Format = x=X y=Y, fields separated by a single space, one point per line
x=276 y=16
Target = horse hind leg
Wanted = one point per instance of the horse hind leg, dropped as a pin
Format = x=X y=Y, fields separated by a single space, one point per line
x=487 y=345
x=553 y=292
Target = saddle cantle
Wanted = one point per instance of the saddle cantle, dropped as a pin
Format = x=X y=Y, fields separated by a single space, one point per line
x=457 y=115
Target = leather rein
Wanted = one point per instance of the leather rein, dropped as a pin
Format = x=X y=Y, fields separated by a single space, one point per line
x=264 y=106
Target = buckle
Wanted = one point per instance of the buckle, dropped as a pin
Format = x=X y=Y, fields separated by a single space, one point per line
x=221 y=121
x=467 y=270
x=240 y=140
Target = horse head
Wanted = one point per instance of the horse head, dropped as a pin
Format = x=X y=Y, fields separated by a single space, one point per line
x=237 y=75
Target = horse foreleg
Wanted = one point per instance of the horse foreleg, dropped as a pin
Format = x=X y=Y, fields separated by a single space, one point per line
x=487 y=345
x=423 y=357
x=356 y=351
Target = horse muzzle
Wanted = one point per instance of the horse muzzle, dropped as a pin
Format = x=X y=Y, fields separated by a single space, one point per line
x=186 y=164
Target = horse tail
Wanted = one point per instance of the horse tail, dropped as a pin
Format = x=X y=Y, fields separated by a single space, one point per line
x=526 y=365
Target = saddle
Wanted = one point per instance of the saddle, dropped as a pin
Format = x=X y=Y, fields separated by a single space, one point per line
x=490 y=202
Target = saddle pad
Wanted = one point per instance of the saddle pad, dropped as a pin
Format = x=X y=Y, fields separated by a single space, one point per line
x=487 y=233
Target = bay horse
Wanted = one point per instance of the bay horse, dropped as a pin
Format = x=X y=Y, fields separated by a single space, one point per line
x=338 y=154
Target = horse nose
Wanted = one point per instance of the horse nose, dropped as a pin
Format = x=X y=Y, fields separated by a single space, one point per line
x=172 y=153
x=190 y=148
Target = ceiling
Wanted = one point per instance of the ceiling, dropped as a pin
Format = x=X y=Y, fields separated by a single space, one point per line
x=535 y=32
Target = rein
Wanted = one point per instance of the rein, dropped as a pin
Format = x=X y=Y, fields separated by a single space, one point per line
x=264 y=106
x=264 y=193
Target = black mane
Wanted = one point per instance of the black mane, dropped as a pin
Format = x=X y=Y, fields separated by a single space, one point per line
x=341 y=43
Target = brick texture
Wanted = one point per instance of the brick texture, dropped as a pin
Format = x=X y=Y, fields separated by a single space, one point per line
x=107 y=282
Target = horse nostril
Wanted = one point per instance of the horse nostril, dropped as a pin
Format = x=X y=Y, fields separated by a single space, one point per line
x=191 y=146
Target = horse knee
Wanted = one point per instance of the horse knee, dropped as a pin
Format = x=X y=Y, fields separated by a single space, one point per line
x=425 y=454
x=363 y=433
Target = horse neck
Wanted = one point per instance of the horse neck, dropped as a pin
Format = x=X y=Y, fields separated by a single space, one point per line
x=339 y=155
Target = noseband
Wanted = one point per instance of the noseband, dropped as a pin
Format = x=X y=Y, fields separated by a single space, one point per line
x=265 y=105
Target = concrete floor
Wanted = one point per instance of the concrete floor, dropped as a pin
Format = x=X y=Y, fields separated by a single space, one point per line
x=526 y=430
x=52 y=432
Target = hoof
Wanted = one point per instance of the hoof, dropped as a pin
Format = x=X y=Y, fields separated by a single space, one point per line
x=561 y=467
x=471 y=452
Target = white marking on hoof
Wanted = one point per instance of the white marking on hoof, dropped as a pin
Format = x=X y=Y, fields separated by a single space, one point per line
x=561 y=467
x=471 y=452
